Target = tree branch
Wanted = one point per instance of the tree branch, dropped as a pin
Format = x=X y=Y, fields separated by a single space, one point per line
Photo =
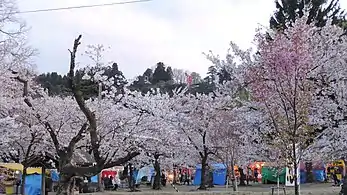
x=80 y=101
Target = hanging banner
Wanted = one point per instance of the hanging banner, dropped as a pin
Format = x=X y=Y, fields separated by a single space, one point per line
x=290 y=176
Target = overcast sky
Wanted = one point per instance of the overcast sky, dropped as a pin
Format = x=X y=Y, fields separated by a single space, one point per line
x=175 y=32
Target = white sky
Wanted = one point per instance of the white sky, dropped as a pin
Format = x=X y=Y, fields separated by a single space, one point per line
x=175 y=32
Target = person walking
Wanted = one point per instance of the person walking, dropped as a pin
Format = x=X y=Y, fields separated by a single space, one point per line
x=256 y=175
x=336 y=180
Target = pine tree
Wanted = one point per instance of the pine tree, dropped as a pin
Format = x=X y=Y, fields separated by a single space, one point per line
x=319 y=12
x=161 y=74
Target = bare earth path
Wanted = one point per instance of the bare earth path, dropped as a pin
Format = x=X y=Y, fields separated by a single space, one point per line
x=313 y=189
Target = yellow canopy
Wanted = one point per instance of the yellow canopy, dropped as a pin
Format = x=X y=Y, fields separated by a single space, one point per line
x=19 y=167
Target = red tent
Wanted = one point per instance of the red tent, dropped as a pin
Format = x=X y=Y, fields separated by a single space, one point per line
x=108 y=173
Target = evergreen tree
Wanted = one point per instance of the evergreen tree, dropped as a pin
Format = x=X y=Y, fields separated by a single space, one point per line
x=287 y=11
x=148 y=75
x=223 y=76
x=161 y=74
x=117 y=75
x=169 y=73
x=196 y=78
x=211 y=75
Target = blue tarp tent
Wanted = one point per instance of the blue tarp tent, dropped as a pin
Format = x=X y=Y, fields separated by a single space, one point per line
x=219 y=174
x=55 y=177
x=144 y=171
x=33 y=184
x=94 y=179
x=303 y=177
x=318 y=176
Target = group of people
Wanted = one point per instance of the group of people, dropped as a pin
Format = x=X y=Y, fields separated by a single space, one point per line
x=111 y=183
x=184 y=177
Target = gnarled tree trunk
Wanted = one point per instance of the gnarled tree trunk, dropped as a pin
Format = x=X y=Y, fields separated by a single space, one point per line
x=65 y=185
x=157 y=177
x=203 y=173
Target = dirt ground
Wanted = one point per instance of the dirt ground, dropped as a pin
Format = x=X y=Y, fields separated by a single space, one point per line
x=307 y=188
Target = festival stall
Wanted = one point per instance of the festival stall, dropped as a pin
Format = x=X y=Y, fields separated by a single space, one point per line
x=219 y=174
x=7 y=180
x=337 y=167
x=114 y=172
x=33 y=179
x=256 y=166
x=312 y=172
x=269 y=175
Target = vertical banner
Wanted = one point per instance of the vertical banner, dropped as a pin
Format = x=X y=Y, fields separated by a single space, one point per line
x=290 y=176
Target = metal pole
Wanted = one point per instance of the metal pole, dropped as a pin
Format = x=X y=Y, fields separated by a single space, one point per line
x=227 y=166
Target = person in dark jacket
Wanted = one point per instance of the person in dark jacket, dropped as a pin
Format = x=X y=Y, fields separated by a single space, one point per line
x=163 y=178
x=48 y=184
x=256 y=173
x=336 y=180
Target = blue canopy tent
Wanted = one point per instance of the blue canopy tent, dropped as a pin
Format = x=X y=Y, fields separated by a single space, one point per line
x=318 y=175
x=33 y=184
x=219 y=174
x=55 y=177
x=144 y=171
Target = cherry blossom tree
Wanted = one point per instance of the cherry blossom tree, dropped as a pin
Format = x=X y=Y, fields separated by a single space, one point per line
x=105 y=128
x=161 y=143
x=232 y=123
x=297 y=82
x=279 y=84
x=231 y=139
x=15 y=53
x=195 y=118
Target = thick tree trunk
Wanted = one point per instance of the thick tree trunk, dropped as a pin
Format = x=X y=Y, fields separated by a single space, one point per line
x=65 y=185
x=234 y=181
x=100 y=183
x=203 y=173
x=22 y=190
x=157 y=177
x=210 y=178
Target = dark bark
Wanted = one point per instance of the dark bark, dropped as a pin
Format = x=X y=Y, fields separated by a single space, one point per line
x=204 y=156
x=157 y=177
x=65 y=185
x=43 y=181
x=22 y=190
x=210 y=178
x=203 y=173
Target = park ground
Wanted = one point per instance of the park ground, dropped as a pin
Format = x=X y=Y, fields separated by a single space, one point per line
x=313 y=189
